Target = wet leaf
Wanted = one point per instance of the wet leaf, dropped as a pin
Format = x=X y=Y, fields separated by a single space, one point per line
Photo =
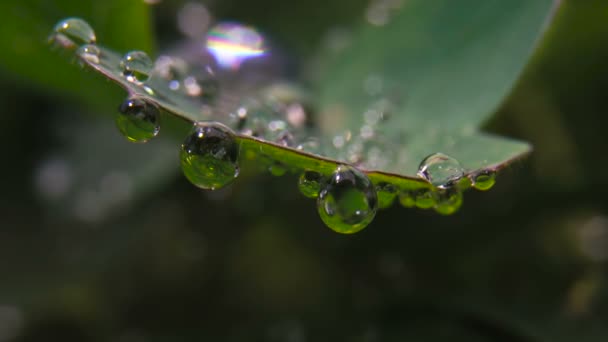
x=420 y=82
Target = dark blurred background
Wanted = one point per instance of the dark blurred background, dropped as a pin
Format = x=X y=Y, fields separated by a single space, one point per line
x=100 y=245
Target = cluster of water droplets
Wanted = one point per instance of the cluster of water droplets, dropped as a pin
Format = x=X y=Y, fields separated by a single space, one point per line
x=347 y=199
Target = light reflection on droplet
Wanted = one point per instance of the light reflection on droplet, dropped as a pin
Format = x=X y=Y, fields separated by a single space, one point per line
x=232 y=43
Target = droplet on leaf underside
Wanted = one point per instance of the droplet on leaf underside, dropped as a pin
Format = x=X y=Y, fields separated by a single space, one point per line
x=138 y=120
x=483 y=180
x=347 y=202
x=209 y=156
x=309 y=183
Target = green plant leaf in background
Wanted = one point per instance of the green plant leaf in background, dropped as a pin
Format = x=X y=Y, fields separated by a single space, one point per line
x=403 y=104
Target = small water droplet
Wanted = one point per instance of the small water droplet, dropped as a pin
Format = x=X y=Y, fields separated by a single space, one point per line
x=407 y=200
x=138 y=120
x=136 y=66
x=448 y=201
x=209 y=156
x=310 y=183
x=387 y=193
x=89 y=53
x=347 y=202
x=484 y=180
x=73 y=32
x=311 y=145
x=425 y=198
x=440 y=170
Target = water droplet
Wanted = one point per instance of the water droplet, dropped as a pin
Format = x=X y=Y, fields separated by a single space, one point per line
x=347 y=202
x=425 y=198
x=89 y=53
x=440 y=170
x=138 y=120
x=387 y=193
x=484 y=180
x=310 y=184
x=209 y=156
x=311 y=145
x=73 y=32
x=407 y=200
x=448 y=201
x=136 y=66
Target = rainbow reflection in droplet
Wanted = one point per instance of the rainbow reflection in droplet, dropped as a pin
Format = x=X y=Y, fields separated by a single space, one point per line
x=232 y=43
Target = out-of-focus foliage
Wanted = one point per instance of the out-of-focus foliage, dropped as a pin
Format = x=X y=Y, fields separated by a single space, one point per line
x=524 y=262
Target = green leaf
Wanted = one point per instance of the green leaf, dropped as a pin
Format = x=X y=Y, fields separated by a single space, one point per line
x=419 y=85
x=26 y=26
x=447 y=66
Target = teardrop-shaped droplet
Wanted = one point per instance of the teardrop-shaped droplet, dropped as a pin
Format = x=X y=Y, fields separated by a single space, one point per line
x=347 y=202
x=136 y=66
x=484 y=180
x=387 y=193
x=209 y=156
x=310 y=184
x=440 y=170
x=72 y=32
x=425 y=198
x=448 y=201
x=89 y=53
x=138 y=120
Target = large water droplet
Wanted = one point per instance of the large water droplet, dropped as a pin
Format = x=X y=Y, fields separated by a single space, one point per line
x=387 y=193
x=484 y=180
x=73 y=32
x=138 y=120
x=310 y=184
x=448 y=201
x=136 y=66
x=440 y=170
x=209 y=156
x=347 y=202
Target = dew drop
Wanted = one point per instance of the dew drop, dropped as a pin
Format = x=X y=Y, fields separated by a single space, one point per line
x=440 y=170
x=424 y=198
x=387 y=193
x=310 y=184
x=448 y=201
x=484 y=180
x=347 y=202
x=136 y=66
x=73 y=32
x=209 y=156
x=89 y=53
x=407 y=200
x=138 y=120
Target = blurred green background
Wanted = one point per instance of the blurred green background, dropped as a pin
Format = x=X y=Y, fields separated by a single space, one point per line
x=100 y=245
